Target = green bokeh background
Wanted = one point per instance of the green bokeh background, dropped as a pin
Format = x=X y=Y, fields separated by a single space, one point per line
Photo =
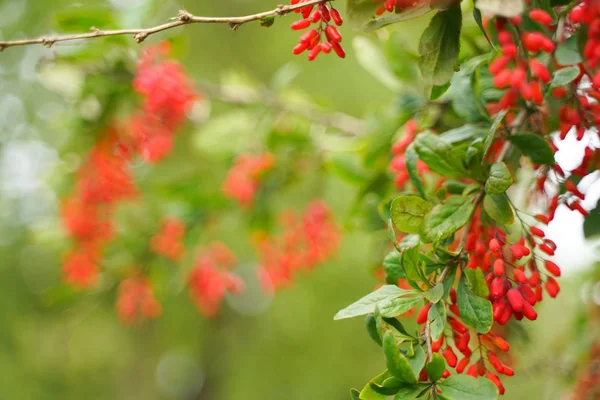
x=55 y=344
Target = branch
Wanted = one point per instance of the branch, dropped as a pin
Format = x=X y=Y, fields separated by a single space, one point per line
x=346 y=124
x=183 y=18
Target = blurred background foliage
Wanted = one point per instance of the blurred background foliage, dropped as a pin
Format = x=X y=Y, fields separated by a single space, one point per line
x=57 y=343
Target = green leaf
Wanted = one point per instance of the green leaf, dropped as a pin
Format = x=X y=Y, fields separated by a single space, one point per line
x=409 y=392
x=465 y=133
x=479 y=20
x=435 y=293
x=475 y=311
x=564 y=76
x=439 y=155
x=354 y=394
x=371 y=325
x=534 y=147
x=397 y=363
x=408 y=213
x=397 y=325
x=464 y=387
x=591 y=225
x=394 y=307
x=411 y=263
x=445 y=219
x=400 y=15
x=498 y=207
x=477 y=281
x=499 y=180
x=436 y=367
x=489 y=139
x=417 y=360
x=393 y=267
x=267 y=21
x=369 y=394
x=439 y=46
x=367 y=304
x=437 y=319
x=567 y=52
x=411 y=158
x=439 y=91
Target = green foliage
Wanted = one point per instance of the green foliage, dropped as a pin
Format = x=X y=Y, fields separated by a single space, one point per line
x=591 y=225
x=499 y=180
x=437 y=320
x=436 y=367
x=564 y=76
x=408 y=213
x=397 y=363
x=475 y=311
x=368 y=303
x=446 y=218
x=534 y=147
x=464 y=387
x=440 y=45
x=498 y=207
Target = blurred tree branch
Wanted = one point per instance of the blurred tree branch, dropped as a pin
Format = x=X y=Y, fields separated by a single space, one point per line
x=183 y=18
x=346 y=124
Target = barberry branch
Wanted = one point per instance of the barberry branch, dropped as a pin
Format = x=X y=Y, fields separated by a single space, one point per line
x=182 y=18
x=346 y=124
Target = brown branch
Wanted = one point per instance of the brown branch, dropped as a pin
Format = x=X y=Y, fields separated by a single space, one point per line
x=183 y=18
x=346 y=124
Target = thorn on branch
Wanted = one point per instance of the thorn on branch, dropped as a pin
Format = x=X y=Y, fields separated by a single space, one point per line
x=48 y=42
x=234 y=26
x=280 y=10
x=95 y=30
x=140 y=37
x=184 y=16
x=2 y=47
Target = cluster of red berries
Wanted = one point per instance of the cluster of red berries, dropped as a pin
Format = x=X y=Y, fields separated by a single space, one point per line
x=461 y=338
x=398 y=163
x=168 y=96
x=136 y=300
x=521 y=74
x=211 y=278
x=105 y=178
x=168 y=242
x=306 y=241
x=244 y=178
x=322 y=15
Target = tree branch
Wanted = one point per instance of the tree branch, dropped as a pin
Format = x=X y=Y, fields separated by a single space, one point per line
x=183 y=18
x=346 y=124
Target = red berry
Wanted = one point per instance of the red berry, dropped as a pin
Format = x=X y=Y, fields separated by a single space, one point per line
x=299 y=25
x=540 y=16
x=515 y=298
x=499 y=267
x=450 y=357
x=552 y=268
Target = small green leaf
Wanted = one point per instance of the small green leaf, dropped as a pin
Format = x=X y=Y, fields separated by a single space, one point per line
x=369 y=394
x=477 y=281
x=439 y=155
x=498 y=207
x=499 y=180
x=394 y=307
x=367 y=304
x=267 y=21
x=489 y=139
x=393 y=267
x=438 y=91
x=437 y=319
x=397 y=325
x=408 y=213
x=534 y=147
x=436 y=367
x=445 y=219
x=354 y=394
x=435 y=293
x=564 y=76
x=591 y=225
x=371 y=325
x=400 y=15
x=475 y=311
x=413 y=268
x=397 y=363
x=478 y=18
x=411 y=158
x=567 y=52
x=439 y=46
x=409 y=392
x=417 y=360
x=464 y=387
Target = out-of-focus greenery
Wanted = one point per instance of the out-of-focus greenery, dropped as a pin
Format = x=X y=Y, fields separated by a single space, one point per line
x=59 y=344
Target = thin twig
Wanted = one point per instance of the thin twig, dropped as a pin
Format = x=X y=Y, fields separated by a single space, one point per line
x=346 y=124
x=183 y=18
